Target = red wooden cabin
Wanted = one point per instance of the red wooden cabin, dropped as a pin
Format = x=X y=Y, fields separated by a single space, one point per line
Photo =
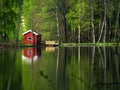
x=32 y=37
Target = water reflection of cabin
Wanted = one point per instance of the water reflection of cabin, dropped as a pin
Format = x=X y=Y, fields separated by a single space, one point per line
x=32 y=37
x=30 y=54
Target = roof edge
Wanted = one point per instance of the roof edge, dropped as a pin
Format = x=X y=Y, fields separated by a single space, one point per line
x=31 y=31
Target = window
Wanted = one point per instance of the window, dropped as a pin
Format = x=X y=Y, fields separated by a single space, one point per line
x=30 y=38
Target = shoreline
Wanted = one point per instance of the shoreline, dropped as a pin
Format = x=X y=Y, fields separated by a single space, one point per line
x=4 y=45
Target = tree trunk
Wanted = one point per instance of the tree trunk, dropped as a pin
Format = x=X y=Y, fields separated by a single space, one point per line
x=105 y=15
x=117 y=23
x=62 y=6
x=57 y=23
x=79 y=26
x=101 y=31
x=79 y=34
x=4 y=23
x=65 y=29
x=4 y=30
x=92 y=20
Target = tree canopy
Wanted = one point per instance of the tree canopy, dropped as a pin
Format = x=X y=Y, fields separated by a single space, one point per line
x=63 y=20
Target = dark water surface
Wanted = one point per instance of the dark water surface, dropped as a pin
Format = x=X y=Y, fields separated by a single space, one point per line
x=78 y=68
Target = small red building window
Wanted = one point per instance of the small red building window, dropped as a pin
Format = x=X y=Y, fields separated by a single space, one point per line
x=29 y=38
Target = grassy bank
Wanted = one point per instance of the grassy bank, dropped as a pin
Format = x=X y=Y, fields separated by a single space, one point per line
x=88 y=44
x=20 y=44
x=9 y=44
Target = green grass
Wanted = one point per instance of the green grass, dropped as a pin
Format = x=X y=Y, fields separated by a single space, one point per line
x=65 y=44
x=88 y=44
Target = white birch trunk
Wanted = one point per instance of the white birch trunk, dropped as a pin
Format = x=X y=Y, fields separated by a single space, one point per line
x=105 y=13
x=79 y=34
x=101 y=31
x=92 y=20
x=57 y=23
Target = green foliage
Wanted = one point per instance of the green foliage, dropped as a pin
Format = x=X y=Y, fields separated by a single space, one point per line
x=77 y=15
x=72 y=15
x=27 y=12
x=8 y=19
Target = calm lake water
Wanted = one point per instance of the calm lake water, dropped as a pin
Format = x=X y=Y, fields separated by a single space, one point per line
x=54 y=68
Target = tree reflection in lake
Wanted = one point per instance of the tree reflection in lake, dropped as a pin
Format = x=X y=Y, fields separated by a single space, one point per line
x=6 y=64
x=57 y=68
x=107 y=71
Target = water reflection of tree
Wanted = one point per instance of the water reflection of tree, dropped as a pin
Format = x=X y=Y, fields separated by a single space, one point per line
x=61 y=69
x=92 y=65
x=117 y=57
x=6 y=64
x=88 y=68
x=108 y=70
x=73 y=71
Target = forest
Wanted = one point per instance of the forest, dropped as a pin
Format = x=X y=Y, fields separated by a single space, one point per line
x=67 y=21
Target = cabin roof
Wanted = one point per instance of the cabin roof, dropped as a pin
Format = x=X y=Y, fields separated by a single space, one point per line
x=33 y=31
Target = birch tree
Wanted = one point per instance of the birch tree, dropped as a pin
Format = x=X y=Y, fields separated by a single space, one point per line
x=92 y=20
x=105 y=22
x=62 y=6
x=117 y=23
x=77 y=17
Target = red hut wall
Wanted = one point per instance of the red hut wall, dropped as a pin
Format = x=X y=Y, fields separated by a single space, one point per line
x=30 y=38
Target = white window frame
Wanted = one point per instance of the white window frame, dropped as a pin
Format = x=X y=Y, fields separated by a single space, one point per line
x=29 y=38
